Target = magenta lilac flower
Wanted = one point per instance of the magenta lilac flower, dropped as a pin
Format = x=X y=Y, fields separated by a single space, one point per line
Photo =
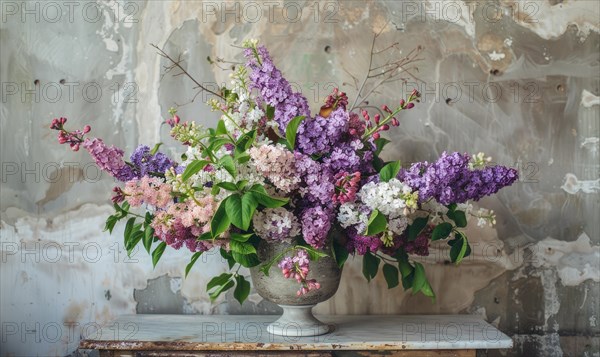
x=298 y=267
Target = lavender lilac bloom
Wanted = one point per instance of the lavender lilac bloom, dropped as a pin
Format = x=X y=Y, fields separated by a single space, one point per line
x=450 y=180
x=274 y=89
x=321 y=135
x=146 y=163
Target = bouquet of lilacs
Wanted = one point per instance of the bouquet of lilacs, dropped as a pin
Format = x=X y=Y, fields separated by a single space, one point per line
x=270 y=171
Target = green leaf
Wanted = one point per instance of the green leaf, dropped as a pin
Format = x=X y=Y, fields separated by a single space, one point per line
x=136 y=237
x=419 y=278
x=221 y=129
x=370 y=266
x=245 y=142
x=215 y=190
x=158 y=252
x=220 y=289
x=416 y=227
x=128 y=230
x=380 y=144
x=405 y=268
x=220 y=221
x=313 y=254
x=240 y=209
x=193 y=168
x=155 y=149
x=228 y=164
x=233 y=207
x=217 y=143
x=241 y=237
x=246 y=260
x=460 y=247
x=230 y=186
x=270 y=112
x=218 y=280
x=340 y=253
x=390 y=273
x=242 y=289
x=227 y=256
x=291 y=130
x=377 y=223
x=441 y=231
x=263 y=198
x=148 y=238
x=451 y=207
x=241 y=184
x=192 y=262
x=378 y=163
x=427 y=290
x=389 y=171
x=148 y=219
x=110 y=223
x=242 y=247
x=460 y=219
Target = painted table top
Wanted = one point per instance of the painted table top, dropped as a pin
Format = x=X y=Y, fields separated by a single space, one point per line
x=248 y=332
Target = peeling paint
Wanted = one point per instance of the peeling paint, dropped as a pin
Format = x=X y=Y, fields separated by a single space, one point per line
x=573 y=185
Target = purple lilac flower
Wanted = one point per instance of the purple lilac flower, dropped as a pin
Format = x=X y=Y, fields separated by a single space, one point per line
x=318 y=184
x=450 y=180
x=316 y=222
x=321 y=135
x=343 y=158
x=360 y=244
x=145 y=163
x=109 y=159
x=274 y=89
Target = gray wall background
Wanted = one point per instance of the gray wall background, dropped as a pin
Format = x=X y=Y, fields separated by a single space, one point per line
x=517 y=80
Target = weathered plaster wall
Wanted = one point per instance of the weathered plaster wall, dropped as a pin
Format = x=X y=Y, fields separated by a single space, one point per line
x=518 y=80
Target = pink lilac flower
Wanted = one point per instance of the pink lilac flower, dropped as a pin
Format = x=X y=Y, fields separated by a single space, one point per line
x=274 y=90
x=277 y=164
x=297 y=267
x=152 y=191
x=346 y=186
x=73 y=138
x=316 y=222
x=182 y=223
x=336 y=99
x=356 y=126
x=109 y=159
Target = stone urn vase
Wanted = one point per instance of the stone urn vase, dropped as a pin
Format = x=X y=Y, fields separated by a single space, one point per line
x=297 y=318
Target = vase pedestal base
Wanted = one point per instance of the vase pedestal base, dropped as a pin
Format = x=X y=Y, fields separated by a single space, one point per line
x=298 y=321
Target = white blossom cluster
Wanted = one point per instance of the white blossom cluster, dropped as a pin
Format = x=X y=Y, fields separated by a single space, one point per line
x=392 y=198
x=276 y=224
x=351 y=214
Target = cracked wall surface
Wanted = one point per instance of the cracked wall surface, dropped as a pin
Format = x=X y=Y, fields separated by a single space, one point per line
x=518 y=80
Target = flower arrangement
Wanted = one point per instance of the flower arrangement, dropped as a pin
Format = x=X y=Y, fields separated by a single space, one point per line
x=270 y=171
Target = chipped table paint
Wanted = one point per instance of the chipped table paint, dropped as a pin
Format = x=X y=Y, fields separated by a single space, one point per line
x=441 y=335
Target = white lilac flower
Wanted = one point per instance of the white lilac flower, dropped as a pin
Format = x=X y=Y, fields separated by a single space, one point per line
x=353 y=214
x=392 y=198
x=276 y=224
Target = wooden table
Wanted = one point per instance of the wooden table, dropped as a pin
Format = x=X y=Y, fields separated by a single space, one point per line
x=246 y=335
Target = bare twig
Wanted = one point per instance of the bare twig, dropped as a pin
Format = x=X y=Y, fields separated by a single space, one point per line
x=390 y=71
x=177 y=64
